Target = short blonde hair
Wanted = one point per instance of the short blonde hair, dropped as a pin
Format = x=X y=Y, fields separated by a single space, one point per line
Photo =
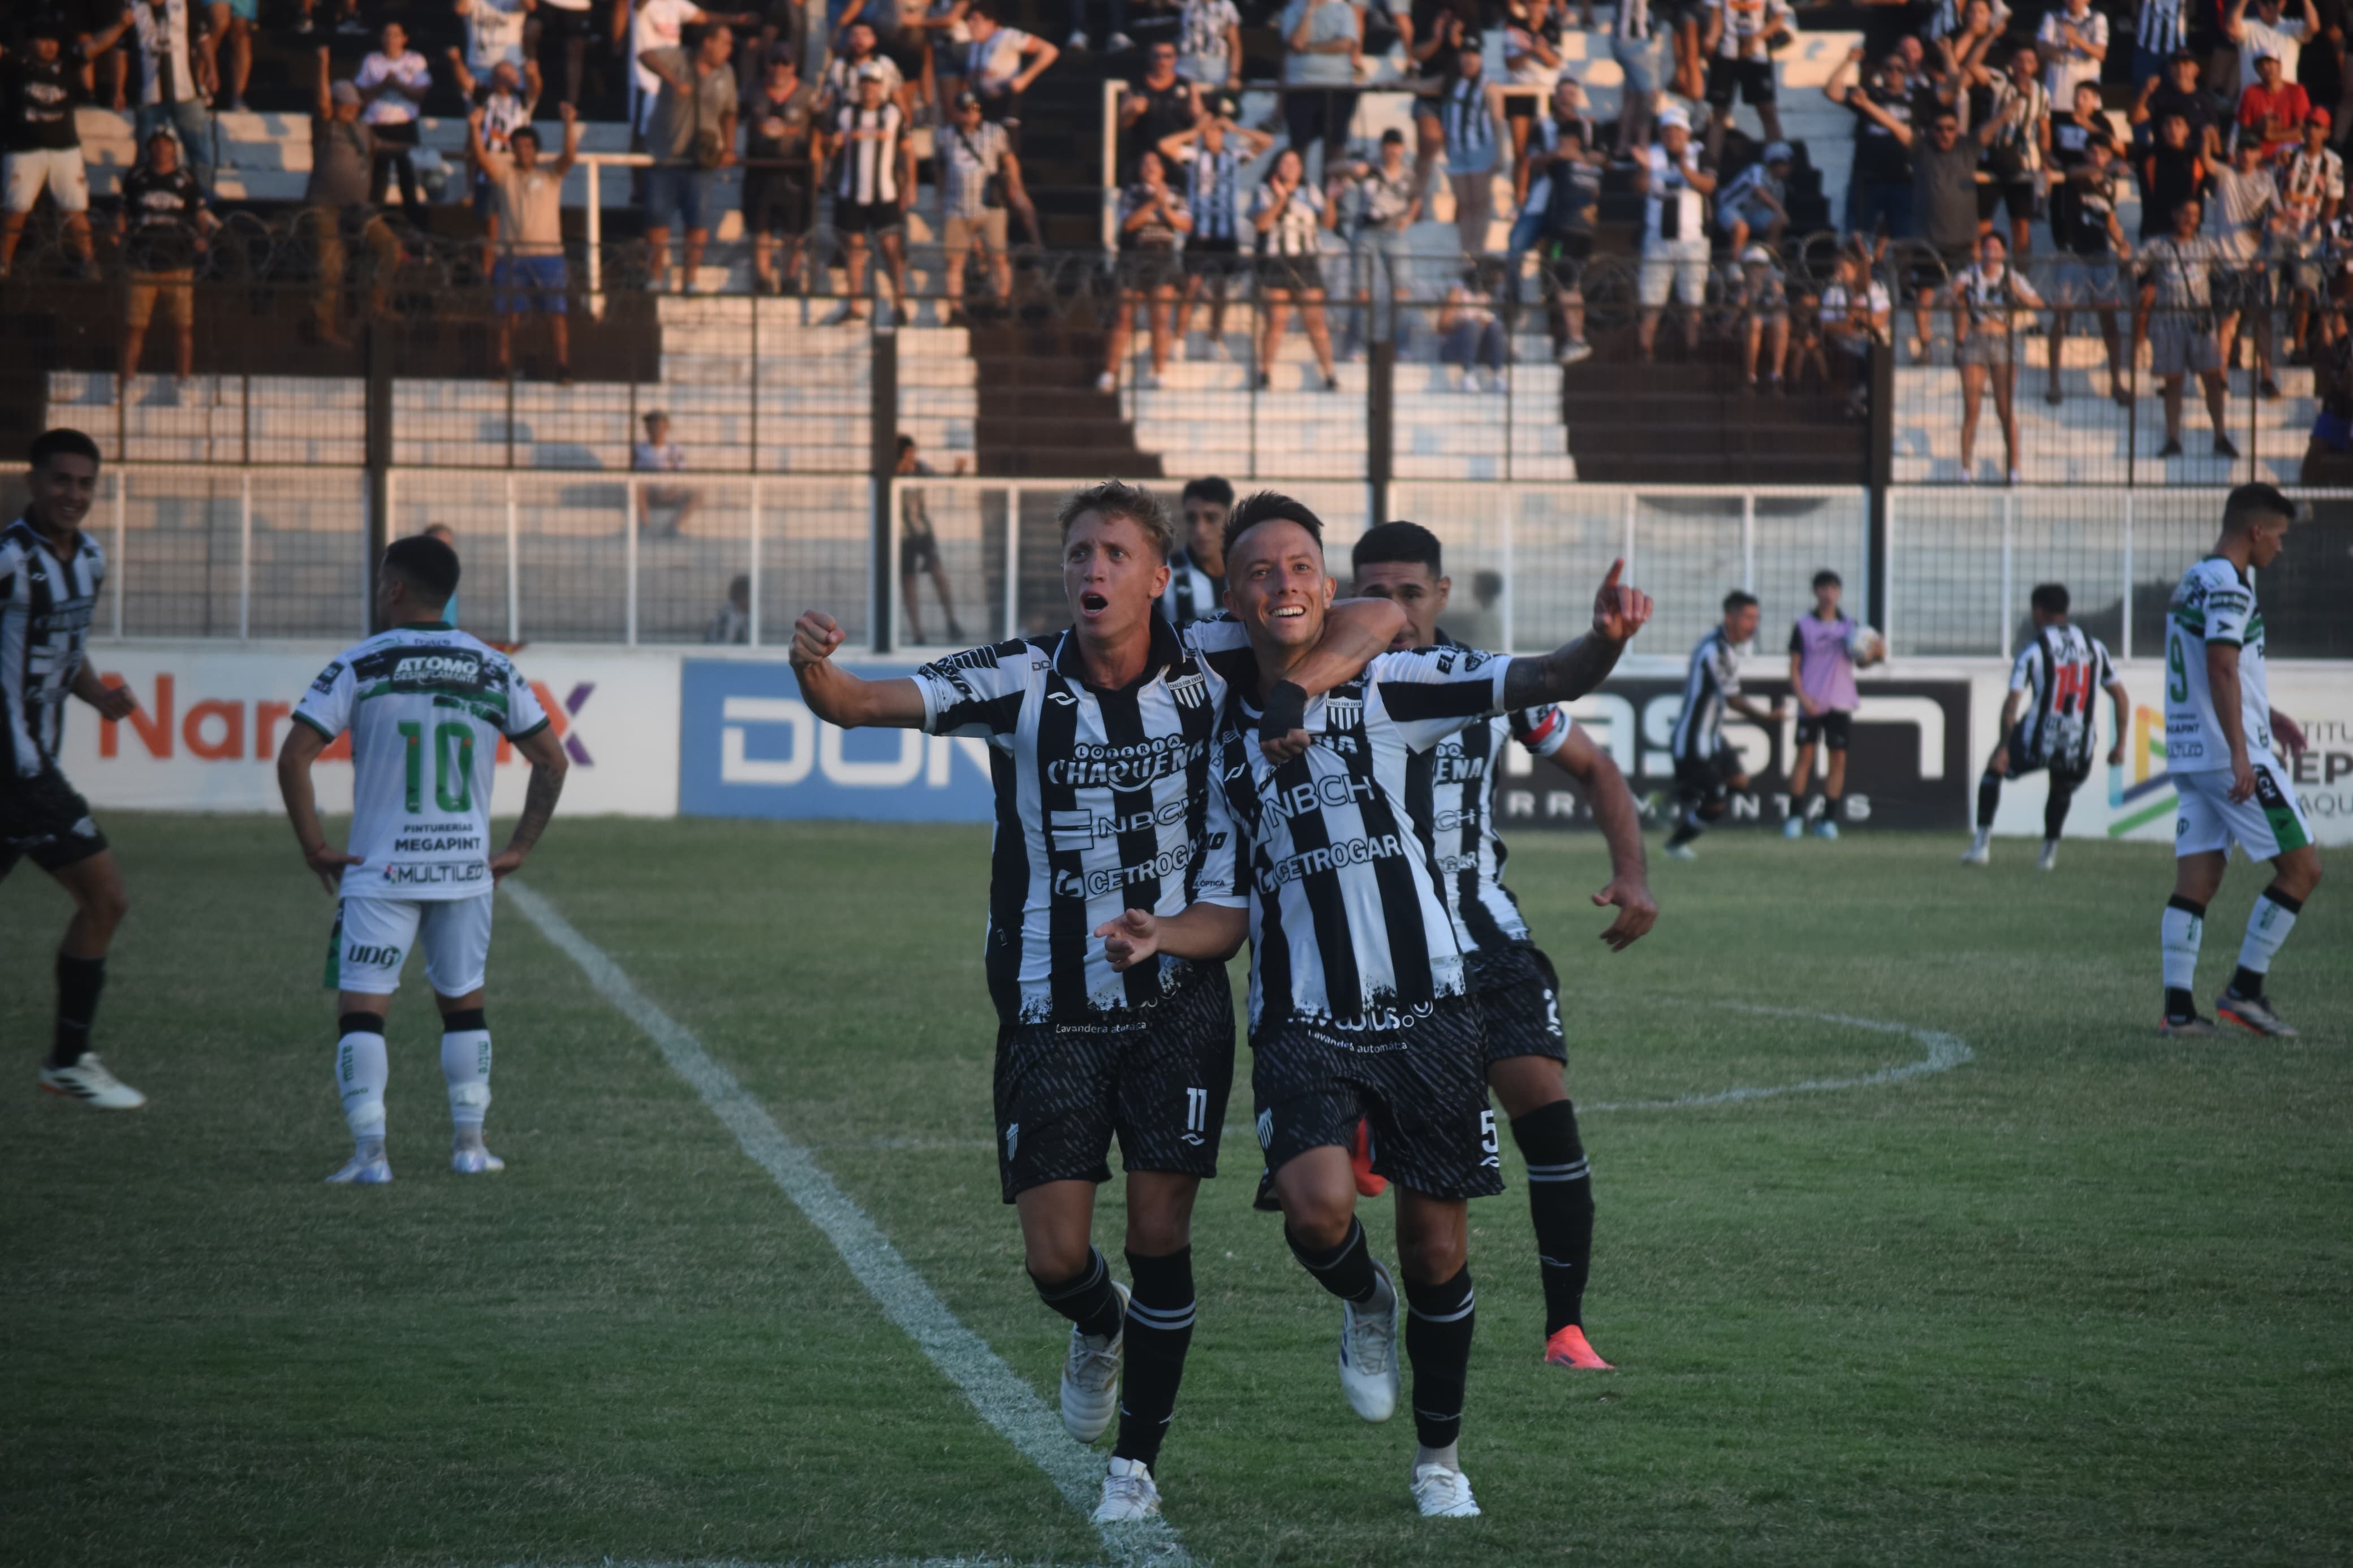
x=1117 y=497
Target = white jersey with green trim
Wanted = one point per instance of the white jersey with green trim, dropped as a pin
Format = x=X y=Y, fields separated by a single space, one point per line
x=427 y=706
x=2213 y=607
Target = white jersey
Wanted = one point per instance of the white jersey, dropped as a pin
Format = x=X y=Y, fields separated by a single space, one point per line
x=2212 y=608
x=427 y=706
x=2062 y=671
x=46 y=608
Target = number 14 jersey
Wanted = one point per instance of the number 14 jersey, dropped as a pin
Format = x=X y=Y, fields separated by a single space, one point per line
x=427 y=706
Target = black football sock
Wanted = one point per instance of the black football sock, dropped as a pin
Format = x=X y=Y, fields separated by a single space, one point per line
x=1439 y=1319
x=79 y=980
x=1159 y=1330
x=1830 y=806
x=1560 y=1201
x=1346 y=1270
x=1086 y=1298
x=1989 y=798
x=2054 y=808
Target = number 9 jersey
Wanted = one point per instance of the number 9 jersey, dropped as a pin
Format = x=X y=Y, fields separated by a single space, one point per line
x=427 y=706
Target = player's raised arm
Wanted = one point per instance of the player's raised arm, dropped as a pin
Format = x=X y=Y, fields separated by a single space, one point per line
x=548 y=763
x=1578 y=665
x=1209 y=932
x=840 y=698
x=301 y=748
x=1620 y=822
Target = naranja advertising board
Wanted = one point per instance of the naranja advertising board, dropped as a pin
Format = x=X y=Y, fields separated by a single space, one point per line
x=211 y=720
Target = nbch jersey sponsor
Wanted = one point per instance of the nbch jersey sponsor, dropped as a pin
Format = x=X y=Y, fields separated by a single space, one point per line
x=2062 y=671
x=46 y=606
x=427 y=706
x=1347 y=929
x=1103 y=804
x=1451 y=791
x=2213 y=606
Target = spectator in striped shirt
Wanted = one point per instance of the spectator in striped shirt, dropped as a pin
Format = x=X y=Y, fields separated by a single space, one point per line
x=1291 y=216
x=2162 y=27
x=1211 y=154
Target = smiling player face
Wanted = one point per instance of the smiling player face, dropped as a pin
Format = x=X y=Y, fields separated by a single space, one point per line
x=1111 y=574
x=63 y=485
x=1409 y=586
x=1277 y=587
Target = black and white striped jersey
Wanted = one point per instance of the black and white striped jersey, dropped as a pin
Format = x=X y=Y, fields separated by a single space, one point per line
x=1347 y=929
x=2164 y=26
x=46 y=608
x=2062 y=672
x=1212 y=186
x=1713 y=676
x=1103 y=804
x=1451 y=791
x=869 y=154
x=1192 y=594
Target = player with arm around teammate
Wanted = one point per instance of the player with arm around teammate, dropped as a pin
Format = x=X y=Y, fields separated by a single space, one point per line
x=1360 y=1008
x=426 y=706
x=2047 y=720
x=1103 y=736
x=2219 y=724
x=1707 y=768
x=1451 y=792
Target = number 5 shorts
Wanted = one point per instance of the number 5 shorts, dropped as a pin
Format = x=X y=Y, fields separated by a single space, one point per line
x=1157 y=1082
x=373 y=937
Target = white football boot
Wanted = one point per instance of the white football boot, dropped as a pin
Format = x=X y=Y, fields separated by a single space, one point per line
x=1091 y=1377
x=2049 y=860
x=468 y=1158
x=1441 y=1493
x=366 y=1168
x=1128 y=1494
x=1368 y=1354
x=88 y=1081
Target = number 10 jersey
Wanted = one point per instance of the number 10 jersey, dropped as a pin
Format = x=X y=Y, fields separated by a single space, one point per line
x=427 y=706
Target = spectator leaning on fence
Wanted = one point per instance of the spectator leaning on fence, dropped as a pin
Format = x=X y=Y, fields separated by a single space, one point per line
x=1153 y=223
x=529 y=278
x=163 y=217
x=1856 y=312
x=337 y=208
x=2178 y=300
x=1675 y=189
x=979 y=179
x=1211 y=156
x=39 y=147
x=780 y=122
x=2093 y=254
x=1000 y=62
x=169 y=94
x=1764 y=310
x=873 y=184
x=692 y=138
x=657 y=454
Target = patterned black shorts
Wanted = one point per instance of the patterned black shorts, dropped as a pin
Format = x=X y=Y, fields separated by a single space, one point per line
x=1065 y=1091
x=42 y=818
x=1519 y=1003
x=1423 y=1089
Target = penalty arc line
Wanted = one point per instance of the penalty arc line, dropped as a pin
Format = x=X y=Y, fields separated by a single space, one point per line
x=994 y=1389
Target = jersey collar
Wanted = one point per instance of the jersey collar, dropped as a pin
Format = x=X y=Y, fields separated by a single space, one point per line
x=1165 y=654
x=424 y=626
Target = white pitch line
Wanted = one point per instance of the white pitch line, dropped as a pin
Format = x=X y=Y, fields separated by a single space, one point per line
x=994 y=1389
x=1946 y=1052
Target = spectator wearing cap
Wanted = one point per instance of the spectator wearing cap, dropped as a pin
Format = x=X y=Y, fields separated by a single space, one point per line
x=529 y=278
x=1674 y=190
x=163 y=219
x=1210 y=156
x=1755 y=203
x=2273 y=111
x=692 y=138
x=39 y=147
x=1210 y=44
x=169 y=93
x=1765 y=307
x=649 y=25
x=2312 y=194
x=337 y=208
x=979 y=178
x=872 y=189
x=1157 y=104
x=1379 y=206
x=1000 y=62
x=780 y=119
x=1153 y=223
x=2176 y=93
x=2266 y=34
x=2074 y=38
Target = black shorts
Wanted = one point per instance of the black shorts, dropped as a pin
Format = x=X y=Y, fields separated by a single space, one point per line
x=1423 y=1089
x=1140 y=271
x=42 y=817
x=1214 y=259
x=2016 y=194
x=1951 y=261
x=907 y=49
x=2023 y=761
x=919 y=550
x=1297 y=273
x=558 y=27
x=778 y=203
x=1707 y=778
x=1829 y=727
x=1159 y=1085
x=867 y=217
x=1561 y=257
x=1753 y=79
x=1519 y=1003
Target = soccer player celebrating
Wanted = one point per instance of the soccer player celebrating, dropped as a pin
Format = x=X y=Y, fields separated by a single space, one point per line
x=2047 y=720
x=1450 y=789
x=1707 y=769
x=2218 y=725
x=1359 y=1004
x=50 y=572
x=1103 y=742
x=1821 y=672
x=426 y=706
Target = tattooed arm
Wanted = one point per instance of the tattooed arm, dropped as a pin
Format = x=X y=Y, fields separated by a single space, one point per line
x=1578 y=665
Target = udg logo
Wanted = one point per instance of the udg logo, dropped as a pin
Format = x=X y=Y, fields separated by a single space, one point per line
x=1197 y=1115
x=362 y=957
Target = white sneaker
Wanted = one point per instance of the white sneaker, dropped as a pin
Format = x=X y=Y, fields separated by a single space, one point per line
x=88 y=1081
x=1977 y=854
x=1091 y=1378
x=1154 y=381
x=1441 y=1493
x=362 y=1171
x=1077 y=40
x=1105 y=384
x=475 y=1161
x=1128 y=1494
x=1119 y=43
x=1826 y=828
x=1682 y=852
x=1575 y=352
x=2049 y=859
x=1368 y=1361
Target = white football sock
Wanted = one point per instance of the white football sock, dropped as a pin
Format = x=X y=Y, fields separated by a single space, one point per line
x=1984 y=838
x=2268 y=924
x=361 y=1072
x=465 y=1063
x=2179 y=933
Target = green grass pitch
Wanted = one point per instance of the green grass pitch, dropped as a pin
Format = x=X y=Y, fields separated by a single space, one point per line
x=2083 y=1299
